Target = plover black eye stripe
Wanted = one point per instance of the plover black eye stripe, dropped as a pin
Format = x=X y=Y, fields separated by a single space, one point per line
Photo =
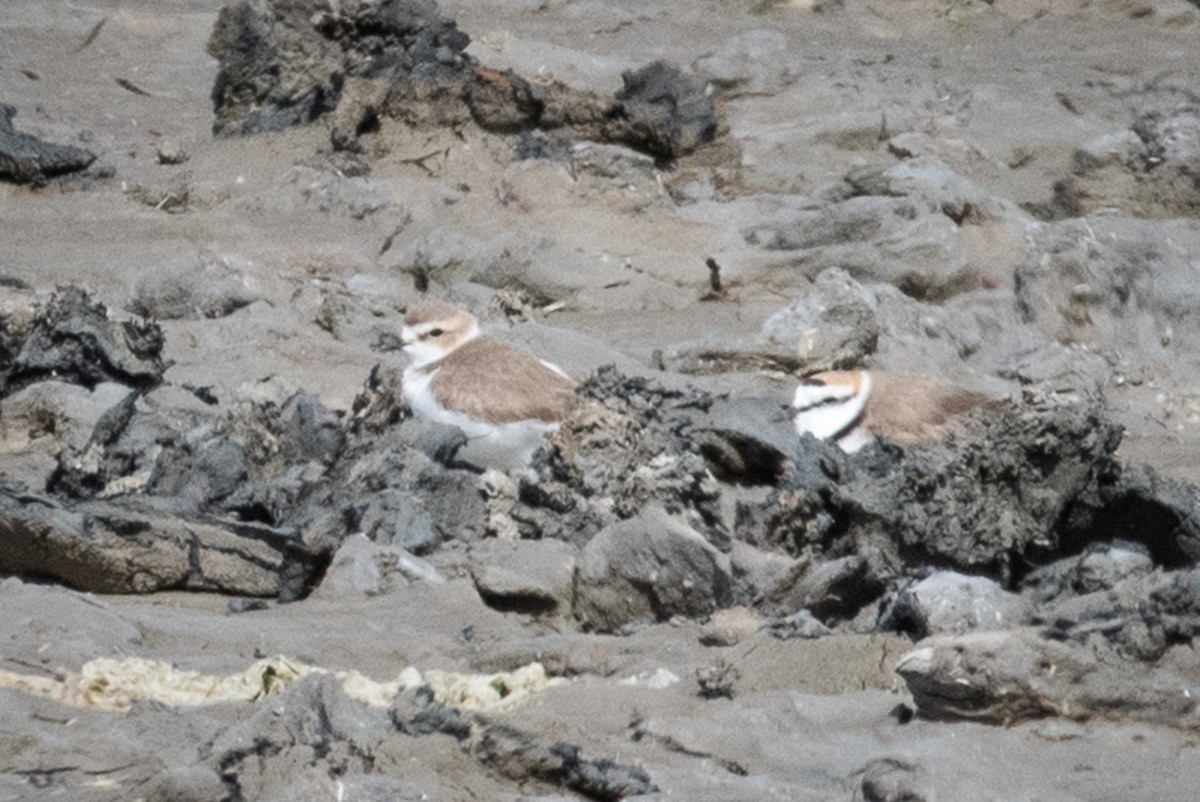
x=828 y=401
x=815 y=394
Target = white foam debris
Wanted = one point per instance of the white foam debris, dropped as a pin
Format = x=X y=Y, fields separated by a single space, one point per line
x=658 y=679
x=114 y=685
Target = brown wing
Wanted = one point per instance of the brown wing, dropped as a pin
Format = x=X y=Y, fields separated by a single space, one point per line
x=911 y=410
x=492 y=381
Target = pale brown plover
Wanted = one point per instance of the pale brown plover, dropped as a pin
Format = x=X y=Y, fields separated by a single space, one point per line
x=504 y=399
x=851 y=407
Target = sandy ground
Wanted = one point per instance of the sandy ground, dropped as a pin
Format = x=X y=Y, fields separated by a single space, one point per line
x=1002 y=92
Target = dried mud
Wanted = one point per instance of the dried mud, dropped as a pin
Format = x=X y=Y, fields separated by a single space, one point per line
x=238 y=568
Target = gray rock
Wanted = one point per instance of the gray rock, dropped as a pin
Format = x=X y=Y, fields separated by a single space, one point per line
x=979 y=500
x=380 y=404
x=894 y=240
x=281 y=66
x=649 y=568
x=100 y=755
x=169 y=151
x=18 y=311
x=971 y=339
x=967 y=340
x=629 y=444
x=756 y=570
x=188 y=784
x=1172 y=137
x=670 y=110
x=893 y=779
x=1177 y=604
x=363 y=568
x=1143 y=171
x=1008 y=676
x=73 y=339
x=46 y=418
x=834 y=326
x=1141 y=507
x=26 y=159
x=751 y=63
x=312 y=731
x=578 y=354
x=522 y=756
x=660 y=110
x=1101 y=566
x=445 y=257
x=831 y=590
x=362 y=102
x=1102 y=569
x=84 y=471
x=940 y=188
x=1140 y=616
x=123 y=547
x=746 y=441
x=1113 y=282
x=394 y=477
x=96 y=626
x=409 y=501
x=950 y=603
x=453 y=502
x=416 y=712
x=272 y=449
x=208 y=470
x=974 y=339
x=399 y=517
x=527 y=576
x=802 y=624
x=1053 y=368
x=1124 y=621
x=535 y=265
x=717 y=681
x=188 y=288
x=856 y=220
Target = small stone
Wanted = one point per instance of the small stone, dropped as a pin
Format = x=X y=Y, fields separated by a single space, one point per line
x=729 y=627
x=798 y=625
x=170 y=152
x=717 y=681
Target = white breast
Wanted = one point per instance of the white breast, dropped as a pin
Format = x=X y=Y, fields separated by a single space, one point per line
x=504 y=445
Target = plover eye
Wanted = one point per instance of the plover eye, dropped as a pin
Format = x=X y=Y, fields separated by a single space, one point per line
x=436 y=332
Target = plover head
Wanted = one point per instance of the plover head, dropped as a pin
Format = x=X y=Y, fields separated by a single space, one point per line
x=832 y=406
x=434 y=329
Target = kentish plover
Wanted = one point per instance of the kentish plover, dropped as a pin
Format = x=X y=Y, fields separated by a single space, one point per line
x=852 y=407
x=504 y=399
